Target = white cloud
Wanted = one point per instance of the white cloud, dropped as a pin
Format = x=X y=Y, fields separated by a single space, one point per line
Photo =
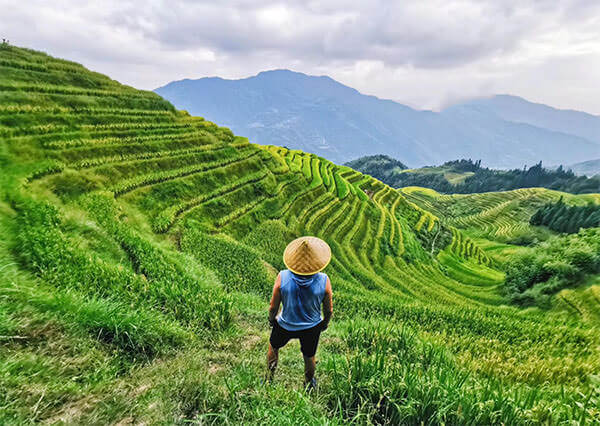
x=423 y=53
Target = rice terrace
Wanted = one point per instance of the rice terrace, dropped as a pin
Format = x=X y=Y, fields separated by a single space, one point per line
x=140 y=244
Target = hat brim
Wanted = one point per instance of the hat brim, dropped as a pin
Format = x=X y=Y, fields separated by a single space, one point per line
x=307 y=273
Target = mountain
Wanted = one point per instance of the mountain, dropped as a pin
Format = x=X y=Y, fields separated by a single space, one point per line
x=587 y=168
x=139 y=249
x=519 y=110
x=320 y=115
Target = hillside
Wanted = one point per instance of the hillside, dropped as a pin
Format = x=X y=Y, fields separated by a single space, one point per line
x=381 y=167
x=138 y=253
x=500 y=224
x=495 y=216
x=467 y=176
x=322 y=116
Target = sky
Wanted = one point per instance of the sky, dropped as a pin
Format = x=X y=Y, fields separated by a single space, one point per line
x=424 y=53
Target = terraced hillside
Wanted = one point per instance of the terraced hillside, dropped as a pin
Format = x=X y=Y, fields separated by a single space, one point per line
x=138 y=253
x=495 y=218
x=499 y=216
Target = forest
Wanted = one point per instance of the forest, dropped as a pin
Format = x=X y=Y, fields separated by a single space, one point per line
x=561 y=217
x=466 y=176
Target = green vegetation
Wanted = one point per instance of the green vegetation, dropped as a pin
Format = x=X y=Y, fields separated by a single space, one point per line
x=139 y=249
x=468 y=177
x=390 y=367
x=563 y=218
x=498 y=216
x=553 y=265
x=538 y=263
x=382 y=167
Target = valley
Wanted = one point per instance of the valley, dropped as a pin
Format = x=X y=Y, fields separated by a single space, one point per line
x=139 y=248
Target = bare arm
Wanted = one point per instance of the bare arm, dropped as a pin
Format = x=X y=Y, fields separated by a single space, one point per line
x=327 y=305
x=275 y=300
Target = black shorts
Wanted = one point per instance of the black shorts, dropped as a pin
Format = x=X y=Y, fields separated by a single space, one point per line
x=309 y=338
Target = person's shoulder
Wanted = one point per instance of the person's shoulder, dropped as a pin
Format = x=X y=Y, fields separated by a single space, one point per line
x=323 y=276
x=284 y=275
x=326 y=283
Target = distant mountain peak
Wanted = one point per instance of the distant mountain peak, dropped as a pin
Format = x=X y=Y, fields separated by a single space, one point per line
x=321 y=115
x=513 y=100
x=280 y=71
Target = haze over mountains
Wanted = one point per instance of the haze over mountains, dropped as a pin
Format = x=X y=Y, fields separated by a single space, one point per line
x=323 y=116
x=587 y=168
x=519 y=110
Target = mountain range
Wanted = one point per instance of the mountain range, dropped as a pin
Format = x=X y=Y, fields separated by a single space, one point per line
x=325 y=117
x=587 y=168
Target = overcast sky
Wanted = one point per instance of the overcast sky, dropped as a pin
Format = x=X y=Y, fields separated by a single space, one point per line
x=424 y=53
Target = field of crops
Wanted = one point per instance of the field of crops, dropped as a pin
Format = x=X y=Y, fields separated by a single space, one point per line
x=499 y=216
x=139 y=250
x=494 y=218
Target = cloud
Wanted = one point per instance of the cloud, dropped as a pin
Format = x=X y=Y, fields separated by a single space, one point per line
x=425 y=53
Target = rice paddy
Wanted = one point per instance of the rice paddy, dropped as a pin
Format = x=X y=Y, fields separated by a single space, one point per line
x=139 y=249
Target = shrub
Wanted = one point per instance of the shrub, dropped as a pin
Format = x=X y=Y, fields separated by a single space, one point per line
x=527 y=237
x=553 y=265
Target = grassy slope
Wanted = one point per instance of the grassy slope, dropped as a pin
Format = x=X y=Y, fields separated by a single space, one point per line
x=495 y=218
x=139 y=246
x=451 y=176
x=499 y=216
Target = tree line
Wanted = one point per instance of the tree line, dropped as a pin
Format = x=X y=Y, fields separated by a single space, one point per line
x=561 y=217
x=483 y=179
x=381 y=167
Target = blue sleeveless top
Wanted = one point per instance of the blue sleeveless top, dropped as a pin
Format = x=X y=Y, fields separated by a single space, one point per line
x=301 y=296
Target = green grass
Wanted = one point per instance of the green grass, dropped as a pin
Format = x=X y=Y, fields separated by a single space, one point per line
x=447 y=172
x=139 y=250
x=581 y=301
x=457 y=178
x=497 y=216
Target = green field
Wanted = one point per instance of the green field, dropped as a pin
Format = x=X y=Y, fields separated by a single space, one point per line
x=497 y=216
x=139 y=247
x=495 y=219
x=452 y=177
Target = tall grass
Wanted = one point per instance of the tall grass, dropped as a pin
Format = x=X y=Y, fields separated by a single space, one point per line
x=157 y=282
x=392 y=376
x=238 y=267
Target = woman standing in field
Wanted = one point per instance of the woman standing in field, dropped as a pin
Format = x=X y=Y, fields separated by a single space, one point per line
x=302 y=289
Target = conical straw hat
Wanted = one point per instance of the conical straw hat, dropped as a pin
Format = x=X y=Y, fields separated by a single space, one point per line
x=307 y=255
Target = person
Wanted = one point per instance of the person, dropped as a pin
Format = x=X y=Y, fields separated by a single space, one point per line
x=303 y=290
